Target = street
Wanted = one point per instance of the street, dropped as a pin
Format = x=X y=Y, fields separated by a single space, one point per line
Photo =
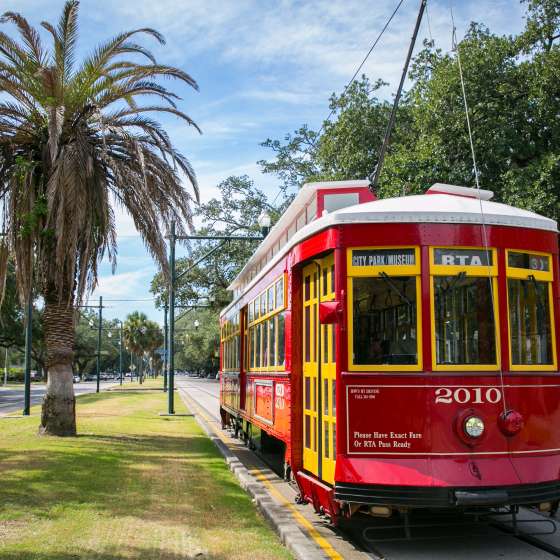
x=11 y=398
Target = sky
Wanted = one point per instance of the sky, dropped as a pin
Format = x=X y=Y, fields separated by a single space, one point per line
x=264 y=68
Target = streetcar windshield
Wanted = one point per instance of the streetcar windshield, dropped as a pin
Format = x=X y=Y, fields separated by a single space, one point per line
x=529 y=322
x=384 y=314
x=464 y=320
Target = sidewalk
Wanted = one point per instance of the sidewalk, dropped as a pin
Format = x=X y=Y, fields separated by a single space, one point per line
x=133 y=485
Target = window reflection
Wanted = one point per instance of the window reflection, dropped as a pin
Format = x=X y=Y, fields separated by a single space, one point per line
x=529 y=316
x=385 y=320
x=464 y=320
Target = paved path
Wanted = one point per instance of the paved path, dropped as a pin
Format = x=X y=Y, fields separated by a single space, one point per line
x=441 y=543
x=11 y=398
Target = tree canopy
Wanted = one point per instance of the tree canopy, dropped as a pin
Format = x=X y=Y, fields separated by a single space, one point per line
x=513 y=95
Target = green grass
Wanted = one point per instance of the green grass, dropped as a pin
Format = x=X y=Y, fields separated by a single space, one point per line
x=132 y=485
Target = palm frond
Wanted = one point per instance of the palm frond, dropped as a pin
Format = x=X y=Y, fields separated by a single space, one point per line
x=76 y=142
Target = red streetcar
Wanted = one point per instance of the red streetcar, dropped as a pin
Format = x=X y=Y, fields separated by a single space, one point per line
x=403 y=351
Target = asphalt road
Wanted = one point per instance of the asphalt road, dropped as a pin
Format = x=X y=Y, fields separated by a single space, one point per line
x=443 y=541
x=11 y=398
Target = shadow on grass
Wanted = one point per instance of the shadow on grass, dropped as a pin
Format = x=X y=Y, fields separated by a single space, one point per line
x=123 y=473
x=137 y=553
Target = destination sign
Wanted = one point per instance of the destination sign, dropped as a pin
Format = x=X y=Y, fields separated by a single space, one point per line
x=462 y=257
x=529 y=261
x=383 y=257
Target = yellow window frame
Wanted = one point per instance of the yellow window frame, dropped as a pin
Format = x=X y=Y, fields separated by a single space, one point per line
x=473 y=271
x=278 y=307
x=541 y=276
x=229 y=331
x=375 y=271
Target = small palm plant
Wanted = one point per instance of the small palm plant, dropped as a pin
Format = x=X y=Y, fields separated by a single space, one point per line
x=76 y=142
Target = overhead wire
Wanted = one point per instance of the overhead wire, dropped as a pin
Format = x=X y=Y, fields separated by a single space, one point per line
x=455 y=47
x=361 y=65
x=378 y=38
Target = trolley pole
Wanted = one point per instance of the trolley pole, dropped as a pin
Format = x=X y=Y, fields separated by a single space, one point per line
x=381 y=157
x=28 y=342
x=165 y=346
x=99 y=328
x=171 y=336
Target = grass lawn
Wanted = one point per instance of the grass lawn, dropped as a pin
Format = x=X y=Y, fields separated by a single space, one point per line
x=132 y=485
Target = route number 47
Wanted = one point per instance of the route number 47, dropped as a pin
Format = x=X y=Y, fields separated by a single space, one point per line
x=464 y=395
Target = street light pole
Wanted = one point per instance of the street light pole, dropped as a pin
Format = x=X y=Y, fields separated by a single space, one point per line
x=6 y=361
x=171 y=335
x=165 y=346
x=173 y=237
x=120 y=352
x=28 y=341
x=99 y=328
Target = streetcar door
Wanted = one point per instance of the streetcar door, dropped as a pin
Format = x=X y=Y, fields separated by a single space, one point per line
x=310 y=370
x=319 y=372
x=328 y=375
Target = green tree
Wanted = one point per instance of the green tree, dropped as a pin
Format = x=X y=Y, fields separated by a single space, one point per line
x=347 y=145
x=513 y=95
x=234 y=212
x=85 y=344
x=75 y=140
x=198 y=346
x=142 y=337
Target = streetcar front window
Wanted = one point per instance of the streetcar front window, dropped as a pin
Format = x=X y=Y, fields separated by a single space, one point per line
x=464 y=320
x=384 y=316
x=529 y=322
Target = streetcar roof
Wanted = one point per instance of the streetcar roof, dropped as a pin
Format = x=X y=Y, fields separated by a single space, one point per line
x=440 y=204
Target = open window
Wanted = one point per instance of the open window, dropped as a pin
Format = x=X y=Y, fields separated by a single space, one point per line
x=384 y=309
x=532 y=341
x=464 y=308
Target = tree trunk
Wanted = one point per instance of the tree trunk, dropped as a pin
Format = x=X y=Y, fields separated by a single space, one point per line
x=58 y=415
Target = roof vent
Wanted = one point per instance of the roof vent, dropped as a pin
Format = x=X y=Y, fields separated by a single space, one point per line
x=442 y=188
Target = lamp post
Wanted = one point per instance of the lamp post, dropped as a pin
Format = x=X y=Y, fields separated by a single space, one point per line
x=28 y=341
x=109 y=335
x=165 y=346
x=264 y=223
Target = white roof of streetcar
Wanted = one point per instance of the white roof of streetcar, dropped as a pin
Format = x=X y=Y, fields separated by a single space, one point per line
x=450 y=204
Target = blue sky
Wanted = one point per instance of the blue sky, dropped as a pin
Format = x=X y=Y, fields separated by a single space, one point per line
x=264 y=68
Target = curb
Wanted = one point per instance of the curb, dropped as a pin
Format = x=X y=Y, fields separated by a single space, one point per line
x=291 y=536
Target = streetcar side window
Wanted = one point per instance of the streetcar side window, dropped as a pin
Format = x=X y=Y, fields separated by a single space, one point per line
x=384 y=325
x=531 y=328
x=266 y=330
x=464 y=322
x=230 y=340
x=464 y=308
x=384 y=309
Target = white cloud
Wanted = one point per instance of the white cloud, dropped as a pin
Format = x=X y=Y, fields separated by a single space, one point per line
x=123 y=284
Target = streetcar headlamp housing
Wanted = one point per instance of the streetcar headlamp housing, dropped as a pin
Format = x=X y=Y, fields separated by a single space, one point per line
x=474 y=426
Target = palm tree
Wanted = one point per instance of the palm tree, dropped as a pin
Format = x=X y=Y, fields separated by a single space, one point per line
x=76 y=142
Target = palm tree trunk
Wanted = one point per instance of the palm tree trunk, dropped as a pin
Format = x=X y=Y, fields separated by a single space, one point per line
x=58 y=416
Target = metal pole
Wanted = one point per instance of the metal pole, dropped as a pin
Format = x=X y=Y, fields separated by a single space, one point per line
x=165 y=347
x=381 y=158
x=171 y=336
x=6 y=361
x=100 y=319
x=120 y=352
x=28 y=341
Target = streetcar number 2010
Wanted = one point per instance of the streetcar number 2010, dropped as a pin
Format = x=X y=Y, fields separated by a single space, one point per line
x=464 y=395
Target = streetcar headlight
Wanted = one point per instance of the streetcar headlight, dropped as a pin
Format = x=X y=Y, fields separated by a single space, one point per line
x=474 y=426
